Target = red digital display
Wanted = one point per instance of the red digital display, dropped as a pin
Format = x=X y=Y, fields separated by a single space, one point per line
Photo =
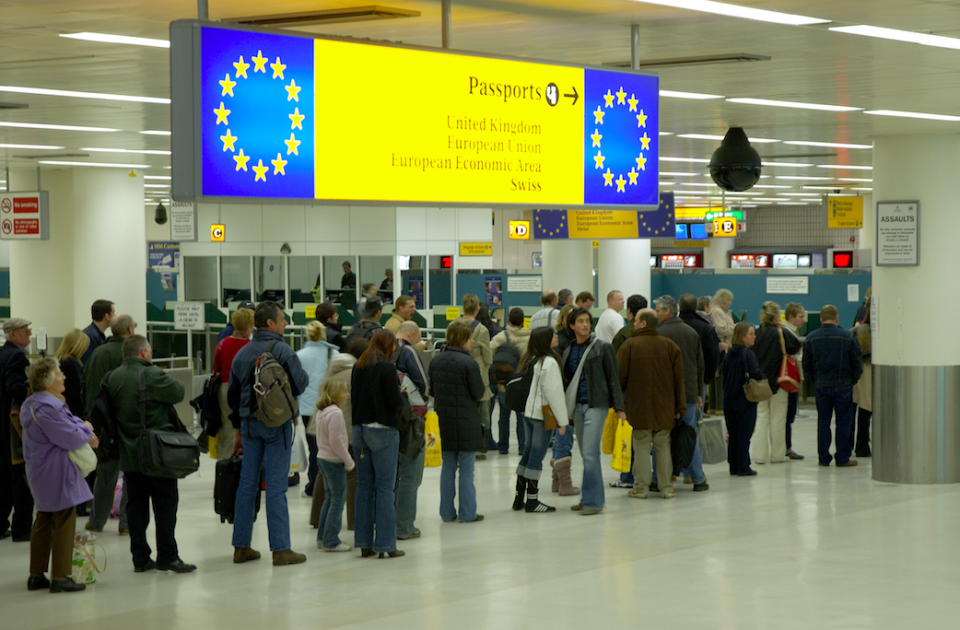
x=446 y=262
x=764 y=261
x=692 y=261
x=843 y=260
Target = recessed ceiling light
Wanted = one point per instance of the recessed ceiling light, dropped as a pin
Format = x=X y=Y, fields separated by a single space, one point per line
x=693 y=160
x=701 y=136
x=890 y=112
x=853 y=179
x=99 y=164
x=118 y=39
x=29 y=146
x=806 y=178
x=733 y=10
x=839 y=145
x=845 y=167
x=816 y=106
x=152 y=132
x=166 y=177
x=93 y=95
x=138 y=151
x=894 y=34
x=790 y=164
x=688 y=95
x=54 y=127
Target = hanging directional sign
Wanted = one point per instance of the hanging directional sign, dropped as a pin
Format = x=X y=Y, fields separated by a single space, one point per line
x=265 y=116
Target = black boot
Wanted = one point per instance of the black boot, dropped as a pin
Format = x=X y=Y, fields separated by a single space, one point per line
x=533 y=503
x=521 y=489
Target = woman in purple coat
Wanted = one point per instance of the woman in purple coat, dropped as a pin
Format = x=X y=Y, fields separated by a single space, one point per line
x=50 y=431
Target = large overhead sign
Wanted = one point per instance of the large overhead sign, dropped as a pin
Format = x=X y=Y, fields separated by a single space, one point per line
x=597 y=224
x=265 y=116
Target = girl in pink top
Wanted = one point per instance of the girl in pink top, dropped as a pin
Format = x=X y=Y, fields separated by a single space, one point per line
x=334 y=460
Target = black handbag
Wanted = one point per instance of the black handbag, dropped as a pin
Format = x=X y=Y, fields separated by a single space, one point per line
x=169 y=454
x=683 y=441
x=412 y=433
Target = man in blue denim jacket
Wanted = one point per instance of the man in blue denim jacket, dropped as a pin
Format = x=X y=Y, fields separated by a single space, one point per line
x=832 y=359
x=263 y=446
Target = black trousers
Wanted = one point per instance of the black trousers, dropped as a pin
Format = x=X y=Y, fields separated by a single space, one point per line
x=741 y=420
x=860 y=432
x=792 y=401
x=165 y=496
x=15 y=496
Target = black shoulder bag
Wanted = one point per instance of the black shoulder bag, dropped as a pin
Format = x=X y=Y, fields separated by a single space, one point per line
x=170 y=454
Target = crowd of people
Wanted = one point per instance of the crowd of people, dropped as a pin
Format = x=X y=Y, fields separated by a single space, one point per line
x=357 y=395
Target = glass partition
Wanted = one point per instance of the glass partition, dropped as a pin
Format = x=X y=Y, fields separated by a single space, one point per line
x=378 y=271
x=236 y=283
x=200 y=279
x=340 y=280
x=305 y=277
x=441 y=280
x=411 y=278
x=269 y=277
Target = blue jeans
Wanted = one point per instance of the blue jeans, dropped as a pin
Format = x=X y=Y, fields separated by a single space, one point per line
x=695 y=470
x=266 y=448
x=409 y=476
x=627 y=477
x=830 y=400
x=562 y=444
x=531 y=463
x=465 y=461
x=376 y=451
x=589 y=423
x=503 y=426
x=334 y=498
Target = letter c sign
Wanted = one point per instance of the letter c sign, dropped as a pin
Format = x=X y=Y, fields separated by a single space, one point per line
x=218 y=233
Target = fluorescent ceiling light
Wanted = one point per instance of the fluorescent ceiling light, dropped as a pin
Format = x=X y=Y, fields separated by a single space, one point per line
x=688 y=95
x=838 y=145
x=156 y=185
x=118 y=39
x=29 y=146
x=770 y=186
x=845 y=167
x=790 y=164
x=799 y=195
x=816 y=106
x=861 y=189
x=100 y=164
x=54 y=127
x=152 y=132
x=666 y=133
x=806 y=178
x=853 y=179
x=711 y=184
x=94 y=95
x=167 y=177
x=679 y=174
x=694 y=160
x=821 y=187
x=733 y=10
x=702 y=136
x=890 y=112
x=668 y=183
x=924 y=39
x=139 y=151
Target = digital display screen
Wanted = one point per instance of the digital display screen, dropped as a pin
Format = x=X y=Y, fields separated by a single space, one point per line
x=683 y=231
x=653 y=262
x=803 y=261
x=784 y=261
x=403 y=262
x=843 y=260
x=698 y=231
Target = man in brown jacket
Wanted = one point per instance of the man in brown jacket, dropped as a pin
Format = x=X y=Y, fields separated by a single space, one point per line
x=651 y=375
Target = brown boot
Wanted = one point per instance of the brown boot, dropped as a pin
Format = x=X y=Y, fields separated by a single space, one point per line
x=245 y=554
x=562 y=469
x=287 y=556
x=555 y=486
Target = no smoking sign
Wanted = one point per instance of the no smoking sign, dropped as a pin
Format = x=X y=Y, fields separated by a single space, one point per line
x=6 y=205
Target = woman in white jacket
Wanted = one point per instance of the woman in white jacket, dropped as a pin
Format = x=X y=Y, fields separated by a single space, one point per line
x=546 y=388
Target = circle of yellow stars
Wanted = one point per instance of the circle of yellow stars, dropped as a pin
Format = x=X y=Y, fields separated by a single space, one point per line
x=559 y=228
x=296 y=118
x=596 y=136
x=665 y=206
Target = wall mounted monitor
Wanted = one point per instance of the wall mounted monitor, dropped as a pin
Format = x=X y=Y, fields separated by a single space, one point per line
x=785 y=261
x=803 y=261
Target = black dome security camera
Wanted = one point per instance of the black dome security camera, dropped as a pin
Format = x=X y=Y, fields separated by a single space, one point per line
x=735 y=166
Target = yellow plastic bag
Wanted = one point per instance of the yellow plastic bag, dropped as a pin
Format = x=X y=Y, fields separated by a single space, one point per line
x=609 y=432
x=622 y=447
x=432 y=429
x=212 y=447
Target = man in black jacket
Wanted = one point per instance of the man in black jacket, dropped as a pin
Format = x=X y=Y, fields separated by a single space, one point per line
x=370 y=311
x=589 y=397
x=14 y=492
x=410 y=471
x=263 y=446
x=327 y=314
x=102 y=312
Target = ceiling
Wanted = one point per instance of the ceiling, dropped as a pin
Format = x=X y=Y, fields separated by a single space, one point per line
x=807 y=64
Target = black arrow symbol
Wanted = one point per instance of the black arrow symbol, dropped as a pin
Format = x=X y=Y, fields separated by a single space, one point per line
x=574 y=96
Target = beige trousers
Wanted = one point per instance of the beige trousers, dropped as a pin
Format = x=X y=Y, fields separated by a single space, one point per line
x=642 y=463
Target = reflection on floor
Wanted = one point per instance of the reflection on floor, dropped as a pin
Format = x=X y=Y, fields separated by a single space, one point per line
x=798 y=546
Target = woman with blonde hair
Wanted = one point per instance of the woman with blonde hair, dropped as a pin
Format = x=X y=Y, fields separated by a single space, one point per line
x=315 y=357
x=72 y=348
x=335 y=461
x=739 y=414
x=227 y=349
x=770 y=437
x=564 y=335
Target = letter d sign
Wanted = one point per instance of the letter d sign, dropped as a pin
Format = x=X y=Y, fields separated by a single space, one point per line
x=520 y=230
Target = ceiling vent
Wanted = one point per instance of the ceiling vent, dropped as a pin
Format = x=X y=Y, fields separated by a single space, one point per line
x=326 y=16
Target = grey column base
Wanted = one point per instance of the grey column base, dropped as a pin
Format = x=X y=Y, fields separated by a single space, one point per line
x=916 y=424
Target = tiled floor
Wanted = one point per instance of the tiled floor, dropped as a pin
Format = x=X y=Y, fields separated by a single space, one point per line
x=798 y=546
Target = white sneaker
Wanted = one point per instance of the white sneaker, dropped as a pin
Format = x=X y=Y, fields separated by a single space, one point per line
x=340 y=547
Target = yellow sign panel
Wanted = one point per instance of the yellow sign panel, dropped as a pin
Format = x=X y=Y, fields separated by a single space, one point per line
x=311 y=312
x=520 y=230
x=526 y=322
x=476 y=249
x=453 y=312
x=596 y=244
x=844 y=212
x=725 y=227
x=602 y=224
x=218 y=233
x=692 y=214
x=689 y=243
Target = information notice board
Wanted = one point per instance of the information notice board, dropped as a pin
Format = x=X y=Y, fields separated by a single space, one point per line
x=898 y=233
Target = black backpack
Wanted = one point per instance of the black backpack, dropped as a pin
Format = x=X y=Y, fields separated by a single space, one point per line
x=362 y=330
x=518 y=389
x=683 y=441
x=104 y=423
x=505 y=362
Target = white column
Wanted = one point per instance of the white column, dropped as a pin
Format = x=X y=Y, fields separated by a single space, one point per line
x=624 y=265
x=568 y=265
x=717 y=256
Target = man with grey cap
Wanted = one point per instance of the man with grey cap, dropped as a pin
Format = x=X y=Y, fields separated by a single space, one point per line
x=106 y=358
x=14 y=491
x=371 y=310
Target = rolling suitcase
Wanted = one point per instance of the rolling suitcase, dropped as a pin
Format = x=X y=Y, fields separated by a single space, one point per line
x=225 y=488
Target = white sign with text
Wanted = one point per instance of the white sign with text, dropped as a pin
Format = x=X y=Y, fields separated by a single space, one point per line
x=898 y=233
x=788 y=285
x=188 y=316
x=525 y=284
